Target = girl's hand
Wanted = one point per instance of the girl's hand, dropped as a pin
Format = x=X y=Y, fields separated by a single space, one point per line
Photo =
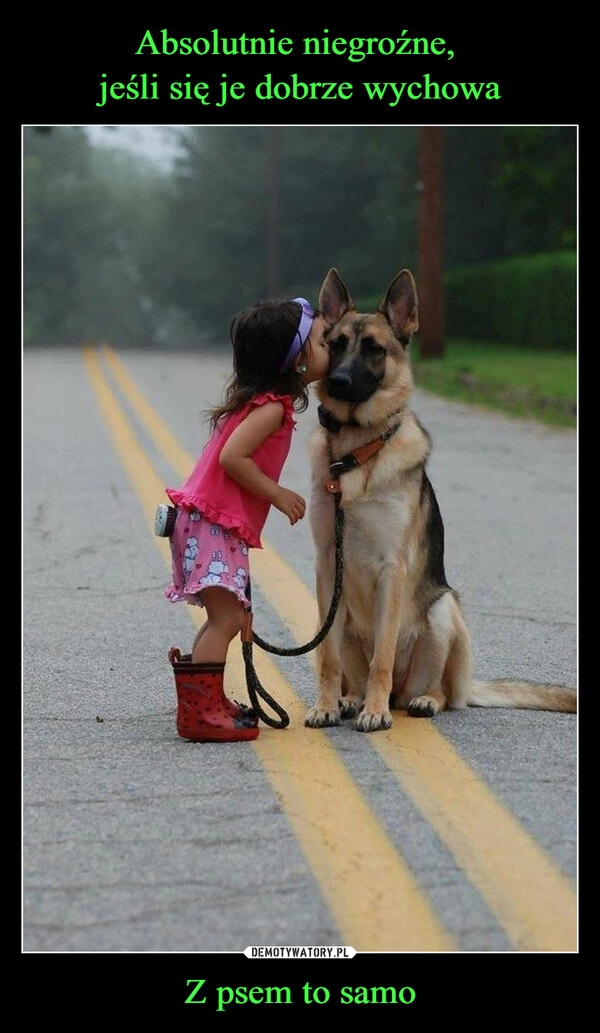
x=290 y=503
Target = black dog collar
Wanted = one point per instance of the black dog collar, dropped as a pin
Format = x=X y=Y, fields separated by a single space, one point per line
x=331 y=422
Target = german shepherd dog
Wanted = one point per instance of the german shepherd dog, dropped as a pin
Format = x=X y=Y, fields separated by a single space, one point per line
x=399 y=639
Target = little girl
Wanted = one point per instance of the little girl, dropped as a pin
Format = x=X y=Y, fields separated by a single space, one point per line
x=221 y=509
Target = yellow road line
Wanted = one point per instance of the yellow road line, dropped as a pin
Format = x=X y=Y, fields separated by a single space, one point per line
x=522 y=885
x=531 y=898
x=374 y=899
x=140 y=470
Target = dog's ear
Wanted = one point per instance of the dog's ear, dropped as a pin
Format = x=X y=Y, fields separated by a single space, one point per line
x=400 y=306
x=334 y=297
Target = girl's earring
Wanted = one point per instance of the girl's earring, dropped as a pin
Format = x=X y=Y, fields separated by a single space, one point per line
x=303 y=368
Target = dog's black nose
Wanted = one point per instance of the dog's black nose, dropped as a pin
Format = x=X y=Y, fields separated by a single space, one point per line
x=340 y=378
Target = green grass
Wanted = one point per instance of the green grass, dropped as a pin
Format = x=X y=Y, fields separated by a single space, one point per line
x=518 y=381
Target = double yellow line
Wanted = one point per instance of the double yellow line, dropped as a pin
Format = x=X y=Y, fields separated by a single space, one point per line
x=375 y=900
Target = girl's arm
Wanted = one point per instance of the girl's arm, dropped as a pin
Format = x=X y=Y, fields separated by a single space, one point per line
x=236 y=460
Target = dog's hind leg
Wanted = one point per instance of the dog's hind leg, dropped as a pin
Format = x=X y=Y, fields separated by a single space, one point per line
x=401 y=669
x=423 y=694
x=458 y=675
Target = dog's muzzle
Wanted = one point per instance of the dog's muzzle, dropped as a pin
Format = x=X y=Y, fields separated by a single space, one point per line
x=352 y=384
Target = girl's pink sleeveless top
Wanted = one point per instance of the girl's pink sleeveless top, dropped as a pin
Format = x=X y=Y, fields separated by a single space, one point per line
x=211 y=491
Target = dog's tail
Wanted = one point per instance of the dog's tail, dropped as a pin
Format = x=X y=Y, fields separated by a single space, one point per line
x=522 y=695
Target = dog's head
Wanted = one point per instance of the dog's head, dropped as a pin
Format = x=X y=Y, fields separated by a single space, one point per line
x=369 y=352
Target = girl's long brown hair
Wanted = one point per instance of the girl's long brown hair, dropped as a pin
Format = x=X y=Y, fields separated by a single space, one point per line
x=261 y=337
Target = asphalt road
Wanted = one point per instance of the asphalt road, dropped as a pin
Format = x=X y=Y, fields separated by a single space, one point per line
x=462 y=840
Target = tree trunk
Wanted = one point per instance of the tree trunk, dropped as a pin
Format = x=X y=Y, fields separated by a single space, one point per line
x=429 y=263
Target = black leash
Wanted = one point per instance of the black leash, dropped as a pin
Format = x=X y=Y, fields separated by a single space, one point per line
x=255 y=689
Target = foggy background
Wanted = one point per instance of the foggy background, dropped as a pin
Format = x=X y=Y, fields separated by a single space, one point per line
x=155 y=236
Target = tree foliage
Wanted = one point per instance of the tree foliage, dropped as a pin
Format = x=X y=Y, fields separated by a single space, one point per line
x=115 y=248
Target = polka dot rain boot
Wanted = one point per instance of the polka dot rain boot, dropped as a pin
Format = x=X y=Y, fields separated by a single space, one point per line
x=204 y=713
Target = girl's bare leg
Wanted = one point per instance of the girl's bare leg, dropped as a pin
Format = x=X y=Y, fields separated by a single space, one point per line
x=199 y=635
x=225 y=615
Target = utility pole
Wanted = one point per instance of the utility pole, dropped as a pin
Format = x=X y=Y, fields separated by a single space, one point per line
x=429 y=261
x=274 y=150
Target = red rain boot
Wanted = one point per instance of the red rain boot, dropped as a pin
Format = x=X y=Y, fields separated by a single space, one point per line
x=204 y=713
x=237 y=709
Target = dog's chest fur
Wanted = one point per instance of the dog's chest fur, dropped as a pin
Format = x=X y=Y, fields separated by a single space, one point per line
x=375 y=526
x=379 y=499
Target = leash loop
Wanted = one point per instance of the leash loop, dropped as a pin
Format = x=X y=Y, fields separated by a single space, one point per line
x=255 y=689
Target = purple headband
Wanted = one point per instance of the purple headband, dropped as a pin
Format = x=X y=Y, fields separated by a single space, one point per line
x=304 y=327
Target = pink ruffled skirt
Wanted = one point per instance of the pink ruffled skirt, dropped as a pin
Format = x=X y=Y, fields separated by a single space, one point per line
x=206 y=555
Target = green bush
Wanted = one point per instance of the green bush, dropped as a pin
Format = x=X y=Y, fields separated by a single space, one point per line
x=530 y=301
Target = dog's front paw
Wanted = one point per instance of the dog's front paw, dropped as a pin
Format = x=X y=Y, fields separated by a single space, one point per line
x=373 y=722
x=317 y=718
x=423 y=706
x=350 y=707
